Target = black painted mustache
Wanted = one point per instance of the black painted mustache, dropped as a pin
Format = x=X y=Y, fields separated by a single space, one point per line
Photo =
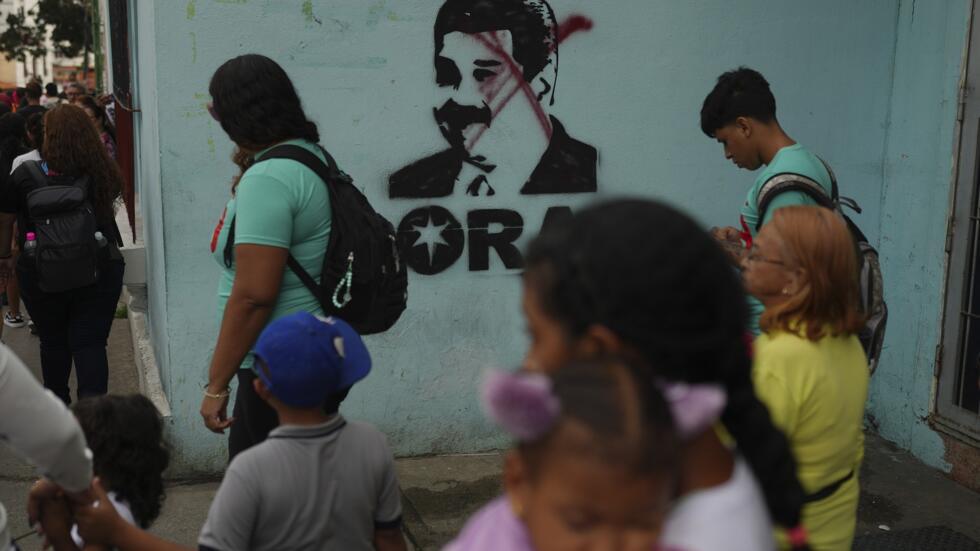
x=453 y=118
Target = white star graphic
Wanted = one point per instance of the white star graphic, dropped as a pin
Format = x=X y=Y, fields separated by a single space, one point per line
x=431 y=236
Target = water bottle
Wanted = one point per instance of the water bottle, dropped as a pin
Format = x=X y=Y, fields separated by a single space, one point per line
x=100 y=239
x=30 y=245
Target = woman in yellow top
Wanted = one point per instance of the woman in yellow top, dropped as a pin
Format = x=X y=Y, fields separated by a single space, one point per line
x=810 y=369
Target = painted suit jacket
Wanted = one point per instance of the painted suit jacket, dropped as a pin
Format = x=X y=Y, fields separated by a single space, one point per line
x=567 y=166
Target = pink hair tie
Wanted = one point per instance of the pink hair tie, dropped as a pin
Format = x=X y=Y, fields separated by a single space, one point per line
x=694 y=407
x=521 y=403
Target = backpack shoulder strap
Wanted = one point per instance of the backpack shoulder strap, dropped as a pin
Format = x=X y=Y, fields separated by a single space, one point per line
x=34 y=169
x=327 y=172
x=834 y=192
x=789 y=181
x=304 y=156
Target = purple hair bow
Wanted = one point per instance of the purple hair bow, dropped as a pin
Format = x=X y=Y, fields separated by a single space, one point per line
x=524 y=405
x=520 y=403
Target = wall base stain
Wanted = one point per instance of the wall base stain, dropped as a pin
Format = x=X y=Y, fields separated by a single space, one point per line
x=965 y=460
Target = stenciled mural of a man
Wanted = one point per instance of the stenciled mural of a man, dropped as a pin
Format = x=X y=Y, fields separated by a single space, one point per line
x=497 y=62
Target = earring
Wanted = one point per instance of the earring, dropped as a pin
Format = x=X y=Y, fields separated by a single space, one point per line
x=786 y=291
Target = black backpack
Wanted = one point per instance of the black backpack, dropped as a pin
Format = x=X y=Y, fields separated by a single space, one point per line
x=364 y=280
x=870 y=279
x=67 y=253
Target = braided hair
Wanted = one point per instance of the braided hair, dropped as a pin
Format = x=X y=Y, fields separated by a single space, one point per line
x=258 y=107
x=649 y=274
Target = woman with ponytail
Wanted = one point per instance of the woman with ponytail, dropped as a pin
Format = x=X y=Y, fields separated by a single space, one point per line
x=278 y=208
x=810 y=368
x=639 y=278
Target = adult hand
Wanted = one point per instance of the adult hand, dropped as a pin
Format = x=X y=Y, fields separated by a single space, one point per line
x=56 y=521
x=98 y=520
x=730 y=240
x=215 y=412
x=41 y=491
x=727 y=233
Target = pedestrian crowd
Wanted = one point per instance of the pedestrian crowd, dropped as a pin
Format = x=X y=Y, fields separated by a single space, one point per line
x=683 y=389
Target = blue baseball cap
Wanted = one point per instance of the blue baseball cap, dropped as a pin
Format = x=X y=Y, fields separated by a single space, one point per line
x=308 y=358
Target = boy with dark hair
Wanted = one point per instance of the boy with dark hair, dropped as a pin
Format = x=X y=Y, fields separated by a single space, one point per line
x=33 y=94
x=318 y=481
x=740 y=113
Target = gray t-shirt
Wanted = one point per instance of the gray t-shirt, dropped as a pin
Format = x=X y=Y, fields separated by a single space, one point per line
x=320 y=487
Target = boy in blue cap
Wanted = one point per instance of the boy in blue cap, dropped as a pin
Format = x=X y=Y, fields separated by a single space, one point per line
x=319 y=481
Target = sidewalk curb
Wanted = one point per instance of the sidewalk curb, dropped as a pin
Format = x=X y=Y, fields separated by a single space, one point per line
x=146 y=363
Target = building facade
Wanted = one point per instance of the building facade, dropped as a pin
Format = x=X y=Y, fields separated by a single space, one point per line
x=48 y=68
x=873 y=87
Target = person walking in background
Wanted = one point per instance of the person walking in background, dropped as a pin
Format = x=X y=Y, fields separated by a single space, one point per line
x=51 y=96
x=101 y=121
x=35 y=141
x=640 y=279
x=810 y=368
x=740 y=114
x=73 y=309
x=278 y=208
x=13 y=137
x=33 y=94
x=74 y=91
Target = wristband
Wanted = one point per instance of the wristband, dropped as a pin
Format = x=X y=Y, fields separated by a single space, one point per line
x=223 y=394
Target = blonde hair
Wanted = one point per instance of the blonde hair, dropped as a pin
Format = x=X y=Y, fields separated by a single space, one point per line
x=817 y=241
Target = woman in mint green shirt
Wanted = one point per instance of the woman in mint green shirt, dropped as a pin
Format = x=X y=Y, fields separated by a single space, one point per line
x=279 y=207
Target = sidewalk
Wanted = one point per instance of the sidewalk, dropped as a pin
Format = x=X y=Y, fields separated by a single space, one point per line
x=904 y=504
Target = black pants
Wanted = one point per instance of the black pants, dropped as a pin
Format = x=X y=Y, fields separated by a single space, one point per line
x=254 y=419
x=74 y=326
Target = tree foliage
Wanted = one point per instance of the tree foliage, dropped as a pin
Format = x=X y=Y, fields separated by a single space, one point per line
x=69 y=23
x=20 y=39
x=67 y=20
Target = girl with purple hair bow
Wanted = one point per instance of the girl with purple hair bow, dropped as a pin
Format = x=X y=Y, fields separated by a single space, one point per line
x=596 y=460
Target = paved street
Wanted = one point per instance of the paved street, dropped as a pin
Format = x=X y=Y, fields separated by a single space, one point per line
x=905 y=505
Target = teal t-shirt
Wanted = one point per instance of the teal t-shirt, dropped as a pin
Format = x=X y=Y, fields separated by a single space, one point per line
x=278 y=203
x=795 y=159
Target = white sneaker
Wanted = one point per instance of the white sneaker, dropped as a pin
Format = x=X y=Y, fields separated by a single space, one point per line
x=14 y=320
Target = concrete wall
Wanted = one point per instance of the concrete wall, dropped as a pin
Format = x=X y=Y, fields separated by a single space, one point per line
x=147 y=137
x=631 y=86
x=918 y=173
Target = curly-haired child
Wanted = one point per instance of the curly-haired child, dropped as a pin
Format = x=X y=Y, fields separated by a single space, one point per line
x=125 y=434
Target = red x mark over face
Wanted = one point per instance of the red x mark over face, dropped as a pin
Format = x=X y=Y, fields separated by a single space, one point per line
x=499 y=78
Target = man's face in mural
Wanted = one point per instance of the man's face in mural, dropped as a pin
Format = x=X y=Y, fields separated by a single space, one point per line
x=469 y=68
x=496 y=67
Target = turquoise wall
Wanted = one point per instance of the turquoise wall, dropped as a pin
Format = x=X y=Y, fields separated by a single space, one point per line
x=631 y=86
x=918 y=172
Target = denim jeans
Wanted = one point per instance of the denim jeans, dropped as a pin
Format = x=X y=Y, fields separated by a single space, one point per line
x=74 y=327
